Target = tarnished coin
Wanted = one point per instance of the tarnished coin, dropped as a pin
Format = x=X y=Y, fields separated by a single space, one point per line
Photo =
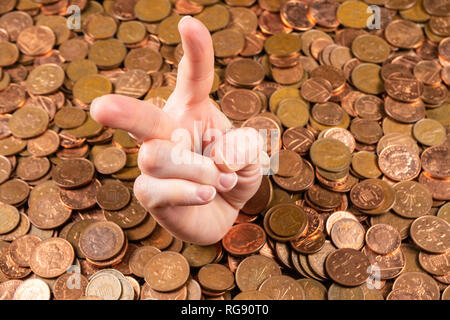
x=21 y=249
x=9 y=218
x=70 y=286
x=434 y=163
x=355 y=264
x=282 y=288
x=412 y=199
x=73 y=173
x=28 y=122
x=337 y=292
x=383 y=239
x=101 y=240
x=367 y=195
x=435 y=264
x=129 y=216
x=421 y=283
x=110 y=160
x=45 y=79
x=168 y=271
x=113 y=196
x=330 y=154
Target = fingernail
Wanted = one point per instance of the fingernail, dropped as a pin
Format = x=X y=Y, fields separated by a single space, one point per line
x=94 y=103
x=228 y=180
x=187 y=16
x=206 y=193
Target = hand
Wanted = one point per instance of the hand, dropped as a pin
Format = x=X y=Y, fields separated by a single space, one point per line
x=197 y=201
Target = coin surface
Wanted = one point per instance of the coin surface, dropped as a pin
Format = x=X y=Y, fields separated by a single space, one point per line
x=436 y=242
x=101 y=240
x=167 y=271
x=291 y=290
x=353 y=261
x=383 y=239
x=51 y=257
x=32 y=289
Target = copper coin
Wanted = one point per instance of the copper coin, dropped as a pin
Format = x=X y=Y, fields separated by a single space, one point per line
x=298 y=139
x=143 y=230
x=139 y=259
x=435 y=264
x=310 y=244
x=52 y=257
x=403 y=87
x=433 y=161
x=254 y=270
x=316 y=90
x=390 y=265
x=421 y=283
x=14 y=191
x=244 y=239
x=241 y=104
x=147 y=293
x=282 y=288
x=45 y=208
x=399 y=163
x=82 y=198
x=70 y=286
x=44 y=145
x=367 y=195
x=10 y=269
x=260 y=200
x=160 y=238
x=355 y=264
x=244 y=72
x=35 y=41
x=129 y=216
x=73 y=173
x=21 y=249
x=8 y=288
x=383 y=239
x=101 y=240
x=113 y=196
x=431 y=234
x=412 y=199
x=168 y=271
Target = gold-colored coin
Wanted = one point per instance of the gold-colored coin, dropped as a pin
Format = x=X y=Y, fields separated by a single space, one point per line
x=228 y=43
x=365 y=164
x=107 y=54
x=215 y=17
x=8 y=54
x=152 y=10
x=281 y=94
x=131 y=32
x=168 y=30
x=366 y=77
x=353 y=14
x=45 y=79
x=58 y=25
x=28 y=122
x=80 y=68
x=90 y=128
x=429 y=132
x=283 y=44
x=370 y=48
x=416 y=13
x=70 y=117
x=293 y=112
x=330 y=154
x=90 y=87
x=100 y=26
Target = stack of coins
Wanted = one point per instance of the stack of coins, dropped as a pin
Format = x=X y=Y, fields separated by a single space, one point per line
x=356 y=111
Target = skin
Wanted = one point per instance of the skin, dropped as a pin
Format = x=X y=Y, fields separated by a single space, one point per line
x=197 y=201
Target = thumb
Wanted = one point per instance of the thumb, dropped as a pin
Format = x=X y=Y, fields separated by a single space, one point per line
x=196 y=68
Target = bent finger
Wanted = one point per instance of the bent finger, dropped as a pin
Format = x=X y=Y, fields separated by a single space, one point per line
x=163 y=159
x=154 y=192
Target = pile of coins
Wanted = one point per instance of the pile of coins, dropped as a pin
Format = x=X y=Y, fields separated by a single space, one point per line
x=358 y=207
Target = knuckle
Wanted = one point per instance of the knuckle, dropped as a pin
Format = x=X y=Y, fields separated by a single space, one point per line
x=151 y=156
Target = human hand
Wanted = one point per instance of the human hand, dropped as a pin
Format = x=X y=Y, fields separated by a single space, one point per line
x=199 y=200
